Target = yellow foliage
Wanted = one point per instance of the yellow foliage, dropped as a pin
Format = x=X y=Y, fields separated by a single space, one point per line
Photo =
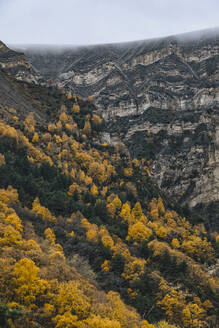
x=12 y=111
x=92 y=233
x=15 y=221
x=192 y=316
x=74 y=187
x=106 y=265
x=85 y=223
x=11 y=237
x=97 y=119
x=134 y=269
x=46 y=137
x=160 y=205
x=116 y=310
x=76 y=109
x=173 y=304
x=94 y=190
x=50 y=236
x=9 y=196
x=63 y=117
x=128 y=172
x=51 y=127
x=111 y=209
x=161 y=232
x=98 y=322
x=2 y=159
x=43 y=211
x=97 y=172
x=125 y=213
x=29 y=286
x=71 y=298
x=122 y=249
x=146 y=324
x=15 y=118
x=29 y=124
x=69 y=96
x=175 y=243
x=67 y=320
x=104 y=191
x=132 y=294
x=137 y=211
x=35 y=138
x=85 y=179
x=138 y=232
x=106 y=238
x=59 y=125
x=48 y=309
x=202 y=249
x=154 y=210
x=83 y=159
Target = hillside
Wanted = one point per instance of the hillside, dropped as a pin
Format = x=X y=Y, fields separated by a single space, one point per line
x=87 y=237
x=16 y=65
x=160 y=97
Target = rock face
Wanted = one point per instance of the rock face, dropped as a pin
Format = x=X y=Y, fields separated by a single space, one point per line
x=161 y=98
x=16 y=64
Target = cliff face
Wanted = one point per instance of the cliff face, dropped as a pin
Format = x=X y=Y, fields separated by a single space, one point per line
x=160 y=97
x=15 y=64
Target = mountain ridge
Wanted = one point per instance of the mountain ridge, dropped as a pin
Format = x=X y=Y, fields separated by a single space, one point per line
x=87 y=232
x=171 y=86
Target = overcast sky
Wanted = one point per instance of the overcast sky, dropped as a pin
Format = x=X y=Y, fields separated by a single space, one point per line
x=101 y=21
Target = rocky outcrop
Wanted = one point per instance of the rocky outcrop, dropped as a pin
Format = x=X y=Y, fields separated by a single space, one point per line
x=160 y=97
x=15 y=64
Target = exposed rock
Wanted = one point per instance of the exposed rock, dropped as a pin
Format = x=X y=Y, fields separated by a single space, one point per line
x=16 y=64
x=160 y=97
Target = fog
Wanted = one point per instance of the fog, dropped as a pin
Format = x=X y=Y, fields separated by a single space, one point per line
x=81 y=22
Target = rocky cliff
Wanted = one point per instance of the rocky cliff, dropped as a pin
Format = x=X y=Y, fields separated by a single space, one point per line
x=161 y=98
x=15 y=64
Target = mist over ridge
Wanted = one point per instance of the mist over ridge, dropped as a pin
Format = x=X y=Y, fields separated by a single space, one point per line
x=194 y=36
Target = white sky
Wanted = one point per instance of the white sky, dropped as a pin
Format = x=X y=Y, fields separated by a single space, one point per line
x=101 y=21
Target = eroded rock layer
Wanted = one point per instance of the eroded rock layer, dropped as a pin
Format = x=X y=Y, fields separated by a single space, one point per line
x=160 y=97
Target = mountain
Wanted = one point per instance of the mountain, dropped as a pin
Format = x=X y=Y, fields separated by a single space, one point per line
x=87 y=237
x=16 y=64
x=161 y=98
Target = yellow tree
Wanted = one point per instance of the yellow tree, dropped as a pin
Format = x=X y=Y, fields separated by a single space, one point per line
x=43 y=211
x=137 y=211
x=95 y=321
x=138 y=232
x=72 y=299
x=29 y=286
x=125 y=213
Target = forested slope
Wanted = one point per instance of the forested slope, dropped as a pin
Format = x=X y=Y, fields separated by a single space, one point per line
x=86 y=233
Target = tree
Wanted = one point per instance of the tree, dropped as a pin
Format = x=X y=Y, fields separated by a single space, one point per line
x=35 y=138
x=138 y=232
x=95 y=321
x=76 y=108
x=72 y=299
x=87 y=128
x=66 y=320
x=137 y=211
x=125 y=213
x=69 y=96
x=29 y=285
x=43 y=211
x=94 y=190
x=2 y=159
